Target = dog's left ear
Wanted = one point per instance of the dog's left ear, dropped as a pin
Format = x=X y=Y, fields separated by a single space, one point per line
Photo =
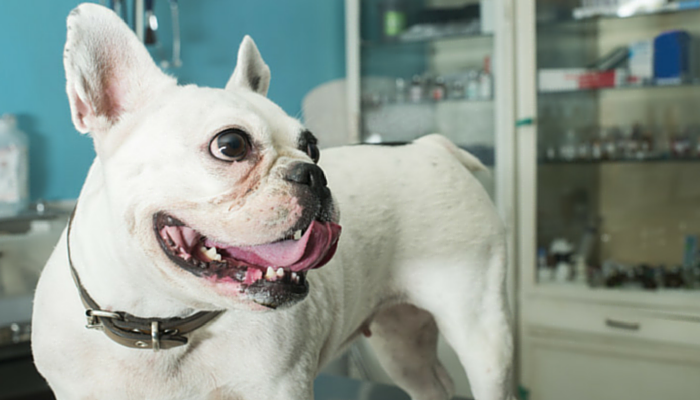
x=251 y=71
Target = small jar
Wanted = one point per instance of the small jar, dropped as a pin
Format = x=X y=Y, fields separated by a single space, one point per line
x=416 y=90
x=400 y=91
x=393 y=19
x=473 y=85
x=456 y=91
x=567 y=147
x=485 y=85
x=439 y=89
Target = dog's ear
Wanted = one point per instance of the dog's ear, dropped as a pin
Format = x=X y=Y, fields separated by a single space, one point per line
x=108 y=71
x=251 y=71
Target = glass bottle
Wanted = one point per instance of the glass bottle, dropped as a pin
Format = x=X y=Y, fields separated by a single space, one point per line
x=14 y=168
x=439 y=89
x=485 y=85
x=400 y=91
x=567 y=148
x=456 y=91
x=416 y=90
x=609 y=142
x=583 y=146
x=597 y=145
x=472 y=85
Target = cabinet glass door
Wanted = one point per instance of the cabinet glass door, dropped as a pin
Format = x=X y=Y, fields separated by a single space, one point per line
x=426 y=67
x=618 y=145
x=435 y=66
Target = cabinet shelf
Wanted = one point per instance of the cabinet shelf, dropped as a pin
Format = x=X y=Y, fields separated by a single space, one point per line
x=429 y=102
x=581 y=16
x=650 y=86
x=620 y=161
x=677 y=301
x=427 y=40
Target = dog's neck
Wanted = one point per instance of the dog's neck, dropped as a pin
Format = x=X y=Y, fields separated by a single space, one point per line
x=98 y=244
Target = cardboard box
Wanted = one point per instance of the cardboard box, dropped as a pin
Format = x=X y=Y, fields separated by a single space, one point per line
x=561 y=80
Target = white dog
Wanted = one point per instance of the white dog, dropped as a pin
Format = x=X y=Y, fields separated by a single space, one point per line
x=194 y=245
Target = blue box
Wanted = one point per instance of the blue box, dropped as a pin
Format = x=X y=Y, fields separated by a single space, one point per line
x=672 y=57
x=690 y=251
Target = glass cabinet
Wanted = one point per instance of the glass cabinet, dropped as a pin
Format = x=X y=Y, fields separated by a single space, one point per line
x=416 y=67
x=618 y=145
x=608 y=200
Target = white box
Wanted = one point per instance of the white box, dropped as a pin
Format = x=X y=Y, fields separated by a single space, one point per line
x=557 y=80
x=641 y=60
x=488 y=14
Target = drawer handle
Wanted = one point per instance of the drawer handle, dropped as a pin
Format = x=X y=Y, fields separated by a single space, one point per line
x=630 y=326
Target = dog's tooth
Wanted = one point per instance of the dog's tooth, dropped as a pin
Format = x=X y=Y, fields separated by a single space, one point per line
x=270 y=274
x=213 y=253
x=280 y=272
x=295 y=277
x=297 y=234
x=210 y=253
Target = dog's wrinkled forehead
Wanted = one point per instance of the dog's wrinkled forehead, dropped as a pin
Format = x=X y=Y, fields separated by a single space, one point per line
x=211 y=111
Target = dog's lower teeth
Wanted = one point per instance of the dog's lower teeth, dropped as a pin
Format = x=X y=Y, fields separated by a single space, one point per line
x=297 y=235
x=280 y=272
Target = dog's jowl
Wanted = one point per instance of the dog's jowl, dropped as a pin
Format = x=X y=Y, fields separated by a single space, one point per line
x=214 y=253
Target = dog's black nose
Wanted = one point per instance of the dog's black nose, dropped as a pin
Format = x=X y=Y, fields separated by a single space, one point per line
x=310 y=175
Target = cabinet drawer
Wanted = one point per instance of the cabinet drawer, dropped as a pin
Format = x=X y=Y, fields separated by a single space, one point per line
x=613 y=321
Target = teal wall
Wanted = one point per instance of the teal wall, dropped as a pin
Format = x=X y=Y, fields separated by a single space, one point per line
x=301 y=40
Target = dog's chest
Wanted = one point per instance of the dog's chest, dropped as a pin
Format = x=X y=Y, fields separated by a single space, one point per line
x=171 y=374
x=223 y=362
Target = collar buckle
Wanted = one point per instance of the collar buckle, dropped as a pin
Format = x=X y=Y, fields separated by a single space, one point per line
x=93 y=318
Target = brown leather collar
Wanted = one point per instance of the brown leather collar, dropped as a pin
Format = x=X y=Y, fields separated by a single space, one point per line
x=136 y=332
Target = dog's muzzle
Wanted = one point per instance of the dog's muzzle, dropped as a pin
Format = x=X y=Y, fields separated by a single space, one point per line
x=271 y=274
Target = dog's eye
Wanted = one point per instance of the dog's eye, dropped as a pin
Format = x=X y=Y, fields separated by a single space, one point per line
x=313 y=152
x=230 y=145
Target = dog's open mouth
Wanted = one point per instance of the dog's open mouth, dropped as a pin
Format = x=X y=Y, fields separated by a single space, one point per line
x=272 y=274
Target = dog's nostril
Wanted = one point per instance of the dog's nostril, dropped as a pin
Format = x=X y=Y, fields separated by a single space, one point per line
x=307 y=174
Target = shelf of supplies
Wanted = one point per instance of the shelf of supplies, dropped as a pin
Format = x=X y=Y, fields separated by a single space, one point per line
x=689 y=84
x=614 y=13
x=429 y=102
x=676 y=300
x=427 y=40
x=621 y=161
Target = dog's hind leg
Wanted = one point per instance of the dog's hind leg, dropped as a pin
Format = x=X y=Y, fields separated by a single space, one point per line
x=404 y=339
x=471 y=312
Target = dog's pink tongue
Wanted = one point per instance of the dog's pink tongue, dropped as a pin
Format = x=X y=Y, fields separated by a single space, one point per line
x=313 y=250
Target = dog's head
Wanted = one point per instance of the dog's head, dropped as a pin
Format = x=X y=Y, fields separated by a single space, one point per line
x=217 y=188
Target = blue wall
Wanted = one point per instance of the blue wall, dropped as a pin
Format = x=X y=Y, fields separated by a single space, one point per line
x=301 y=40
